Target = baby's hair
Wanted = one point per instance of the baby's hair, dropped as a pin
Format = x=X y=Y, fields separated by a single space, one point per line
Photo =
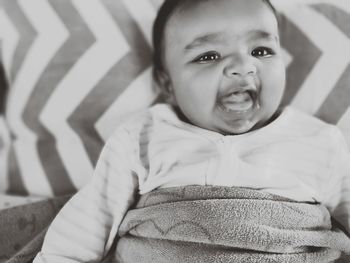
x=168 y=8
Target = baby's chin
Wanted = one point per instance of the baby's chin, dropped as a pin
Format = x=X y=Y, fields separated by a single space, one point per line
x=235 y=122
x=238 y=127
x=245 y=123
x=241 y=126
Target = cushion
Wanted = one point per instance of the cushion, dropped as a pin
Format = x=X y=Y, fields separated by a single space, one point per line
x=75 y=69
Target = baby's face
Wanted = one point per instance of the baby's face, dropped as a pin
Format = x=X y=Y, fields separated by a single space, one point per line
x=224 y=64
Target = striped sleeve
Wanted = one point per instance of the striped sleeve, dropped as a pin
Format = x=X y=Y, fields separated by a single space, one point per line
x=85 y=228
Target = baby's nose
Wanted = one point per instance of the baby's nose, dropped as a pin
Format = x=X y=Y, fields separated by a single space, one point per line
x=240 y=66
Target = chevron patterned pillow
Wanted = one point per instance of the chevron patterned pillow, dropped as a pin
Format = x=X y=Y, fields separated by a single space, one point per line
x=76 y=68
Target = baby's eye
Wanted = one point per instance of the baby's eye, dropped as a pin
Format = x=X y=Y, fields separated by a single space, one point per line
x=207 y=57
x=262 y=52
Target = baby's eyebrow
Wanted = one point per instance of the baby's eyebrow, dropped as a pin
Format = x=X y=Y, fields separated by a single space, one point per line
x=261 y=34
x=209 y=38
x=219 y=38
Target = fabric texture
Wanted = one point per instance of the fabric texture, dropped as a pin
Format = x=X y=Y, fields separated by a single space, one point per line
x=77 y=68
x=157 y=150
x=220 y=224
x=23 y=229
x=27 y=237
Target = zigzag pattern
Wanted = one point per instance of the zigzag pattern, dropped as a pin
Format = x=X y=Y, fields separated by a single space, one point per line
x=319 y=73
x=76 y=53
x=63 y=56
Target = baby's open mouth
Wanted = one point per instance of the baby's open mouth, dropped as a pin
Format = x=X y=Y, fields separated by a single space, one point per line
x=238 y=101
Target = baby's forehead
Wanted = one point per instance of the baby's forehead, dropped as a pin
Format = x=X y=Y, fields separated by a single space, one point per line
x=217 y=20
x=182 y=6
x=191 y=11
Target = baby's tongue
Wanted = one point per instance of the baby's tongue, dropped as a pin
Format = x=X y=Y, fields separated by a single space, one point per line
x=238 y=101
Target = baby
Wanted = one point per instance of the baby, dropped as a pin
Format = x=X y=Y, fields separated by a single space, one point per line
x=220 y=68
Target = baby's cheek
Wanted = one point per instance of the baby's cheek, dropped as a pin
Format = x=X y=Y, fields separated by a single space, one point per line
x=273 y=82
x=270 y=99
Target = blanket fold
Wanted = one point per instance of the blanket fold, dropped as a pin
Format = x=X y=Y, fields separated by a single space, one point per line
x=227 y=224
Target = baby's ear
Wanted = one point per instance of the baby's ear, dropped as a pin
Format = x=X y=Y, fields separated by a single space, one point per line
x=165 y=86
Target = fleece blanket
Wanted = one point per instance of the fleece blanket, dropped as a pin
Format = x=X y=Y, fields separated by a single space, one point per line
x=194 y=224
x=223 y=224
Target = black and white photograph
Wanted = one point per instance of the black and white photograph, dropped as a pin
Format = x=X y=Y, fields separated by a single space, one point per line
x=175 y=131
